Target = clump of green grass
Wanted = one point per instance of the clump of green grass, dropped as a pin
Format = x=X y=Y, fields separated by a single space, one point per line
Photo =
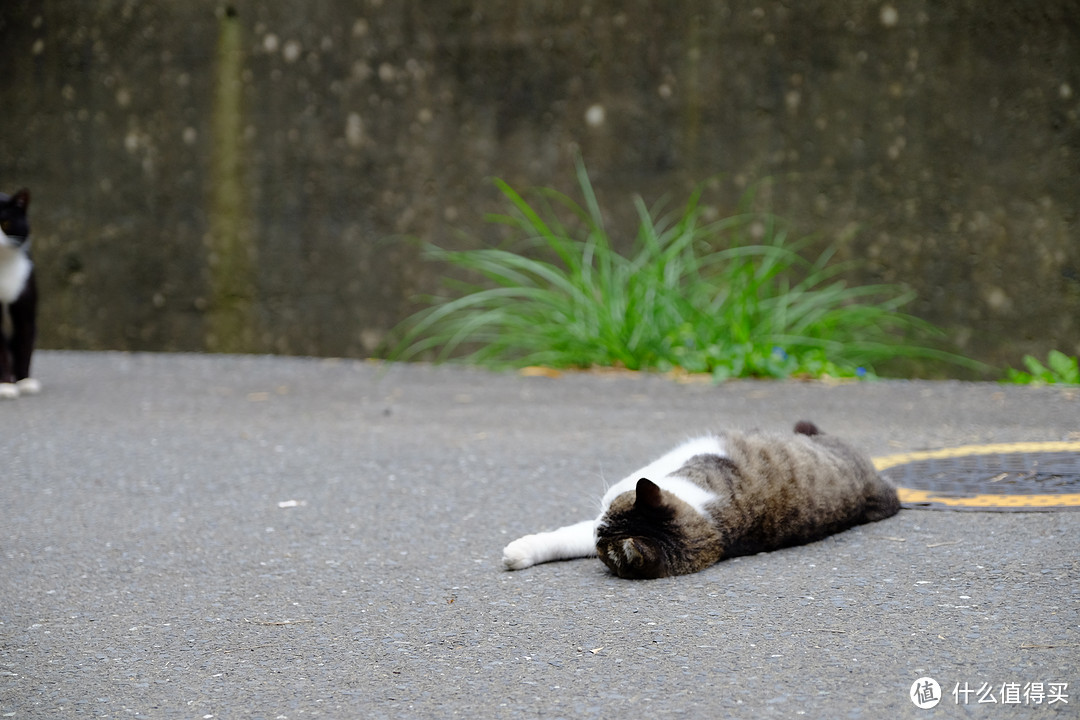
x=1059 y=369
x=732 y=297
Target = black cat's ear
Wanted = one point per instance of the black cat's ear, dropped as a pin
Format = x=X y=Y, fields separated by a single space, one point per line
x=648 y=494
x=21 y=198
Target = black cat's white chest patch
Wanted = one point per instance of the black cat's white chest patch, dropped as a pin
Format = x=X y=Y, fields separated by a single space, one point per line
x=15 y=269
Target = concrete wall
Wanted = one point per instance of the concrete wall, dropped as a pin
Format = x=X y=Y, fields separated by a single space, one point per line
x=239 y=177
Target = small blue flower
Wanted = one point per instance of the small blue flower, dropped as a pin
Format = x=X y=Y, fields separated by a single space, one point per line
x=860 y=372
x=779 y=352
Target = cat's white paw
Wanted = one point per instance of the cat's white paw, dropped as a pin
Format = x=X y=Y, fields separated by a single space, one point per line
x=9 y=391
x=521 y=553
x=28 y=386
x=572 y=541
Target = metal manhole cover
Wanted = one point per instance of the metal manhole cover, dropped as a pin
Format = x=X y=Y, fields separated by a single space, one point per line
x=1010 y=477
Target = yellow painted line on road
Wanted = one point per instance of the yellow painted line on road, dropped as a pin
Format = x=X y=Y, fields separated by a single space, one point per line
x=932 y=497
x=889 y=461
x=908 y=495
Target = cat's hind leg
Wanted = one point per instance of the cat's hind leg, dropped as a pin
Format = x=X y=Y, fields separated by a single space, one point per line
x=572 y=541
x=881 y=501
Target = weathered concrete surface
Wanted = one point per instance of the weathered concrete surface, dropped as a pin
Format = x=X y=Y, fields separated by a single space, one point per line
x=196 y=536
x=946 y=134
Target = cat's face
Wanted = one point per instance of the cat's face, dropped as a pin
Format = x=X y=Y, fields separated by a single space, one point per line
x=652 y=534
x=13 y=220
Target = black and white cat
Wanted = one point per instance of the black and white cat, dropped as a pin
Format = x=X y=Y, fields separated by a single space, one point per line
x=717 y=497
x=18 y=298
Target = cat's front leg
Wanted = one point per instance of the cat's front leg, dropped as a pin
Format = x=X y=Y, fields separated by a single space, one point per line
x=572 y=541
x=28 y=386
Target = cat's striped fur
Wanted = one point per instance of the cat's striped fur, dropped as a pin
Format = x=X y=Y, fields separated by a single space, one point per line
x=718 y=497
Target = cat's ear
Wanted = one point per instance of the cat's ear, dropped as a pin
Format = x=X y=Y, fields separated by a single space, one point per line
x=648 y=494
x=21 y=199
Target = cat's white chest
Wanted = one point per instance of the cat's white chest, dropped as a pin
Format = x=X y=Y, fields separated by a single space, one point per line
x=662 y=472
x=15 y=268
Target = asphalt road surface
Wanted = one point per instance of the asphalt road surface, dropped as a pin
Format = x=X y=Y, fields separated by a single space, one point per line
x=191 y=536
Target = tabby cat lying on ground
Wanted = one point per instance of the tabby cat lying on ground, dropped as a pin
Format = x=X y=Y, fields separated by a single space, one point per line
x=718 y=497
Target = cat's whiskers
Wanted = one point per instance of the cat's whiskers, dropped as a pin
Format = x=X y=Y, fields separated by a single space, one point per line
x=607 y=485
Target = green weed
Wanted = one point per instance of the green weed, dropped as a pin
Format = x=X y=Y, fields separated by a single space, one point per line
x=1059 y=369
x=732 y=297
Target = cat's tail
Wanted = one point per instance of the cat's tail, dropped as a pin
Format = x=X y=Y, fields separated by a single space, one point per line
x=805 y=427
